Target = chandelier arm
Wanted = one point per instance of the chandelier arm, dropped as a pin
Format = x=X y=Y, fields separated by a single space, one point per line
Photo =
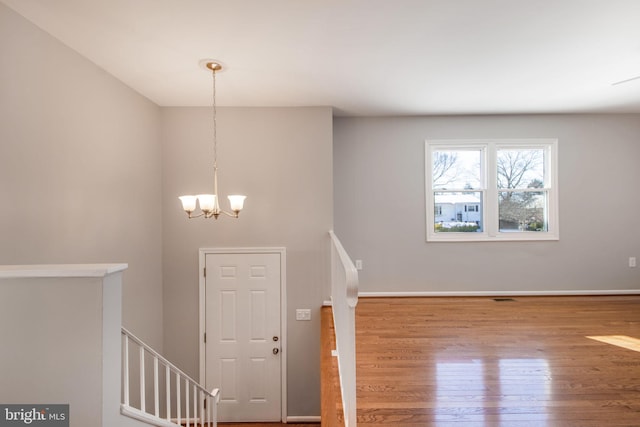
x=212 y=214
x=232 y=215
x=189 y=214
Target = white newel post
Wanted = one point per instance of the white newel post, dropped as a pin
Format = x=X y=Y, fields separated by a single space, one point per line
x=60 y=333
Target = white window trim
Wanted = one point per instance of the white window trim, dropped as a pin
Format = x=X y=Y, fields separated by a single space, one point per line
x=490 y=191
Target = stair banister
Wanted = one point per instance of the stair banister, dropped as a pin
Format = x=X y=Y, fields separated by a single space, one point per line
x=344 y=299
x=203 y=413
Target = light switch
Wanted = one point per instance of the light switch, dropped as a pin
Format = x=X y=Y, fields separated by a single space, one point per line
x=303 y=314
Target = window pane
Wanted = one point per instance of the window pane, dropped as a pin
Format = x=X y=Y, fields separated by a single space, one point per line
x=456 y=169
x=521 y=168
x=521 y=211
x=458 y=212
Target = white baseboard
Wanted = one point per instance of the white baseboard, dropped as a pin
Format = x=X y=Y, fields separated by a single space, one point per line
x=498 y=293
x=307 y=419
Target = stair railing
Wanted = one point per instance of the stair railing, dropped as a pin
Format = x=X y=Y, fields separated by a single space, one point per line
x=184 y=401
x=344 y=298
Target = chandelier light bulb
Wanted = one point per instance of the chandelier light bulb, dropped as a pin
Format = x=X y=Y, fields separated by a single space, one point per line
x=207 y=202
x=188 y=203
x=237 y=202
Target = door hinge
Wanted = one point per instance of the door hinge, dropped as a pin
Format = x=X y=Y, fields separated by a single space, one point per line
x=205 y=337
x=205 y=272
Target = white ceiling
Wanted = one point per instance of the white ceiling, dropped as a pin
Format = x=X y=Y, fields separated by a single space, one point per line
x=363 y=57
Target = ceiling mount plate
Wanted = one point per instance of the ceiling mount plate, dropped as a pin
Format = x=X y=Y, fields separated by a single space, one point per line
x=211 y=64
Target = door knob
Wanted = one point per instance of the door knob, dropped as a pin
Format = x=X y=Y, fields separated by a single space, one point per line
x=276 y=350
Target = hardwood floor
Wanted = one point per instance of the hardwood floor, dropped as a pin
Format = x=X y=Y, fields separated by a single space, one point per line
x=264 y=425
x=475 y=362
x=332 y=414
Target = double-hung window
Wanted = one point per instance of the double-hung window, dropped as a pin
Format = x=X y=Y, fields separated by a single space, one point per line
x=483 y=190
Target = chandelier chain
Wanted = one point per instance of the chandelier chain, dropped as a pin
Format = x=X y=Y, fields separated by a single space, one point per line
x=215 y=127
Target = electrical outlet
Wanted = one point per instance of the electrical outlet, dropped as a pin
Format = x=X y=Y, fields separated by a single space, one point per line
x=303 y=314
x=358 y=264
x=632 y=261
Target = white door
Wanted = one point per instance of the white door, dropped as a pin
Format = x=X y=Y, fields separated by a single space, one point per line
x=242 y=293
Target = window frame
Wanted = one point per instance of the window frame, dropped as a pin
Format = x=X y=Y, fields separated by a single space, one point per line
x=489 y=189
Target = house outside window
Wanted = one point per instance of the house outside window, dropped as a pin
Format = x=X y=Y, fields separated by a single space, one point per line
x=483 y=190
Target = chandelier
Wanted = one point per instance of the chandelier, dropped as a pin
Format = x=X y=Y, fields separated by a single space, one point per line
x=209 y=204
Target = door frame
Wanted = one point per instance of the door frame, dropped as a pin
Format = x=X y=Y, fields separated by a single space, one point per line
x=202 y=254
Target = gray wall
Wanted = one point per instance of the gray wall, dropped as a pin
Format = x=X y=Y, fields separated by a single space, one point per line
x=379 y=197
x=281 y=159
x=79 y=168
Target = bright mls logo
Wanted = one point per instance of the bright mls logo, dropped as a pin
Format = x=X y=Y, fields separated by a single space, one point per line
x=34 y=415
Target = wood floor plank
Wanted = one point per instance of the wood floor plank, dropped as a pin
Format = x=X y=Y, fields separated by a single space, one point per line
x=331 y=398
x=478 y=362
x=265 y=425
